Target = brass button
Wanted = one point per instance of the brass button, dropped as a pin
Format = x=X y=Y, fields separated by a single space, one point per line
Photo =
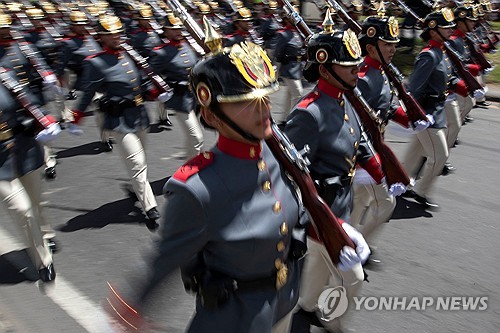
x=130 y=71
x=277 y=207
x=354 y=159
x=346 y=117
x=356 y=144
x=278 y=263
x=281 y=276
x=251 y=153
x=266 y=187
x=341 y=103
x=206 y=156
x=125 y=64
x=261 y=165
x=284 y=229
x=351 y=130
x=382 y=72
x=280 y=246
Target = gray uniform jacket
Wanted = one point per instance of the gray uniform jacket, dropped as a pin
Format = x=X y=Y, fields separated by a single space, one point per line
x=144 y=40
x=74 y=51
x=376 y=88
x=236 y=207
x=288 y=52
x=326 y=122
x=458 y=43
x=431 y=78
x=49 y=47
x=115 y=74
x=173 y=61
x=20 y=153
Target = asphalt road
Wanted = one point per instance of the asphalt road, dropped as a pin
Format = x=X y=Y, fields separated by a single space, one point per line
x=452 y=252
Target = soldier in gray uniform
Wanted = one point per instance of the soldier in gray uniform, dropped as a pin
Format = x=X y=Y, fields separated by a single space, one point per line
x=288 y=53
x=328 y=124
x=430 y=84
x=173 y=61
x=114 y=74
x=144 y=38
x=233 y=208
x=21 y=160
x=373 y=203
x=242 y=22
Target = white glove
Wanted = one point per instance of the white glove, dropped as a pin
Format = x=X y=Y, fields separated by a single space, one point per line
x=163 y=97
x=430 y=118
x=75 y=129
x=50 y=79
x=350 y=257
x=49 y=133
x=421 y=125
x=397 y=189
x=479 y=94
x=493 y=51
x=488 y=70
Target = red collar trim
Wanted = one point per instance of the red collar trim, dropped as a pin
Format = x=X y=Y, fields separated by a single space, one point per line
x=458 y=33
x=238 y=149
x=433 y=43
x=373 y=63
x=242 y=32
x=174 y=42
x=330 y=90
x=6 y=42
x=110 y=51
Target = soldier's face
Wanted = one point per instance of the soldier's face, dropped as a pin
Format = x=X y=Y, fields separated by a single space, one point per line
x=173 y=34
x=254 y=117
x=387 y=50
x=444 y=33
x=347 y=73
x=111 y=41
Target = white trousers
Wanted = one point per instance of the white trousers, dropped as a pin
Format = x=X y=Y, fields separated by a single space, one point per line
x=21 y=197
x=131 y=146
x=193 y=134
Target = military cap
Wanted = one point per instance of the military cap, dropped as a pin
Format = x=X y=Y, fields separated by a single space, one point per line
x=5 y=20
x=466 y=13
x=243 y=14
x=272 y=4
x=49 y=8
x=376 y=28
x=144 y=12
x=356 y=6
x=442 y=18
x=241 y=72
x=173 y=22
x=213 y=4
x=204 y=8
x=77 y=17
x=109 y=24
x=238 y=4
x=35 y=14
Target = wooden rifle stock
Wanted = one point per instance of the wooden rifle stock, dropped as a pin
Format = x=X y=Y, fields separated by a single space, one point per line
x=17 y=91
x=412 y=107
x=463 y=73
x=477 y=54
x=392 y=168
x=328 y=227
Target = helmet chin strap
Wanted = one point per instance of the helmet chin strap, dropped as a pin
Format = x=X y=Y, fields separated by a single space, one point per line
x=222 y=116
x=337 y=77
x=441 y=35
x=381 y=57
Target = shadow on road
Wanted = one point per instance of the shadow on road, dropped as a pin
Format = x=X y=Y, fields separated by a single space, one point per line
x=16 y=267
x=123 y=211
x=92 y=148
x=408 y=209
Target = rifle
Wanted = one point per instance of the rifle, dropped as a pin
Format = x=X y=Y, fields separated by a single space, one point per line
x=327 y=225
x=456 y=59
x=16 y=89
x=190 y=24
x=393 y=169
x=412 y=107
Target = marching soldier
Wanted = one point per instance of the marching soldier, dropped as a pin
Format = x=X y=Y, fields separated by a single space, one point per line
x=144 y=38
x=288 y=53
x=21 y=160
x=242 y=22
x=430 y=84
x=174 y=61
x=244 y=242
x=114 y=74
x=373 y=203
x=325 y=122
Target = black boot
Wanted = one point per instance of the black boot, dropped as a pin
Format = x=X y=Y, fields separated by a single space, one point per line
x=47 y=274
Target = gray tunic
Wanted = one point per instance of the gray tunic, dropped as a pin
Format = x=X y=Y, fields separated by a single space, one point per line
x=231 y=206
